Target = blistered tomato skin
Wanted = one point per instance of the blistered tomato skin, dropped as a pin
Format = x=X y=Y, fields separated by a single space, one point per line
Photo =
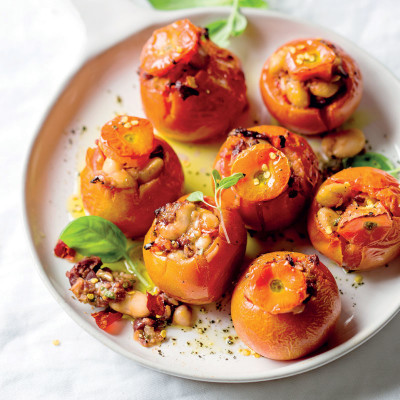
x=281 y=175
x=191 y=89
x=194 y=277
x=126 y=189
x=355 y=218
x=285 y=305
x=311 y=85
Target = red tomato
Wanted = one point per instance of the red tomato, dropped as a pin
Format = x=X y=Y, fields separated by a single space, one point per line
x=125 y=180
x=178 y=266
x=281 y=175
x=363 y=230
x=191 y=89
x=311 y=85
x=285 y=305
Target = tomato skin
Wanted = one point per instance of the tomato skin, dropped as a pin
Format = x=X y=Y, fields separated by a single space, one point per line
x=286 y=335
x=204 y=278
x=216 y=97
x=262 y=215
x=353 y=246
x=131 y=212
x=312 y=120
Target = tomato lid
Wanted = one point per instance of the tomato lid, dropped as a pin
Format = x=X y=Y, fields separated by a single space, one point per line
x=277 y=287
x=267 y=172
x=127 y=140
x=169 y=45
x=310 y=58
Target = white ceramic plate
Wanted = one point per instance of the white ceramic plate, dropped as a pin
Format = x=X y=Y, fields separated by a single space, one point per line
x=89 y=99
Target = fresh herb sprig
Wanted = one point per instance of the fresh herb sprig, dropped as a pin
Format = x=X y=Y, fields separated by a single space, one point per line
x=222 y=30
x=372 y=159
x=95 y=236
x=220 y=184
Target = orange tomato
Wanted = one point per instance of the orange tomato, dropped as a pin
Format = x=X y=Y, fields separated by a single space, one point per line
x=281 y=175
x=118 y=192
x=366 y=232
x=311 y=85
x=191 y=89
x=285 y=305
x=202 y=277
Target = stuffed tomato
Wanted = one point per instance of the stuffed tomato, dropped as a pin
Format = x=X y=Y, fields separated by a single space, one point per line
x=355 y=218
x=191 y=89
x=281 y=175
x=129 y=174
x=285 y=305
x=311 y=85
x=190 y=254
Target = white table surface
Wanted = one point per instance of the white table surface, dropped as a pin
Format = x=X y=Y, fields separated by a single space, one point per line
x=40 y=41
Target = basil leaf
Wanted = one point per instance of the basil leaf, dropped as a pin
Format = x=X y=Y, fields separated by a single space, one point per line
x=95 y=236
x=369 y=159
x=179 y=4
x=216 y=177
x=230 y=180
x=195 y=196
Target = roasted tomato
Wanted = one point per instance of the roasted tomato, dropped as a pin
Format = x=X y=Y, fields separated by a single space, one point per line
x=281 y=175
x=187 y=253
x=191 y=89
x=311 y=85
x=130 y=174
x=285 y=305
x=355 y=218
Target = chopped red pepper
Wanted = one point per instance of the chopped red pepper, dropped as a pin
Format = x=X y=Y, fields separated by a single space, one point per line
x=63 y=251
x=155 y=304
x=105 y=318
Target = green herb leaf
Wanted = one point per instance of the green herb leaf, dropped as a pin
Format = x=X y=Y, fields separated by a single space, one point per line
x=179 y=4
x=196 y=196
x=369 y=159
x=95 y=236
x=107 y=293
x=216 y=177
x=229 y=181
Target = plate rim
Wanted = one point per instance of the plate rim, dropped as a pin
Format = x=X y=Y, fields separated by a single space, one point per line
x=306 y=365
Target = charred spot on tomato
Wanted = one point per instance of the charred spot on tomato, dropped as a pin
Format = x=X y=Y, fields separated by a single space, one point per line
x=98 y=179
x=290 y=260
x=157 y=152
x=184 y=90
x=293 y=194
x=148 y=246
x=282 y=141
x=370 y=225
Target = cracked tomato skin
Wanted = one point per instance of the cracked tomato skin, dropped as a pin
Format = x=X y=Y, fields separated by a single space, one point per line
x=314 y=118
x=298 y=190
x=200 y=279
x=132 y=210
x=351 y=244
x=285 y=335
x=191 y=89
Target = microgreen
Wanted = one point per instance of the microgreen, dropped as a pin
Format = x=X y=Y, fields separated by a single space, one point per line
x=96 y=236
x=220 y=184
x=222 y=30
x=371 y=159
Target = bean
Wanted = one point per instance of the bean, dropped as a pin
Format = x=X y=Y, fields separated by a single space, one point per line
x=134 y=304
x=333 y=195
x=276 y=62
x=182 y=316
x=343 y=144
x=110 y=166
x=323 y=89
x=176 y=229
x=151 y=171
x=105 y=275
x=297 y=94
x=328 y=219
x=209 y=220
